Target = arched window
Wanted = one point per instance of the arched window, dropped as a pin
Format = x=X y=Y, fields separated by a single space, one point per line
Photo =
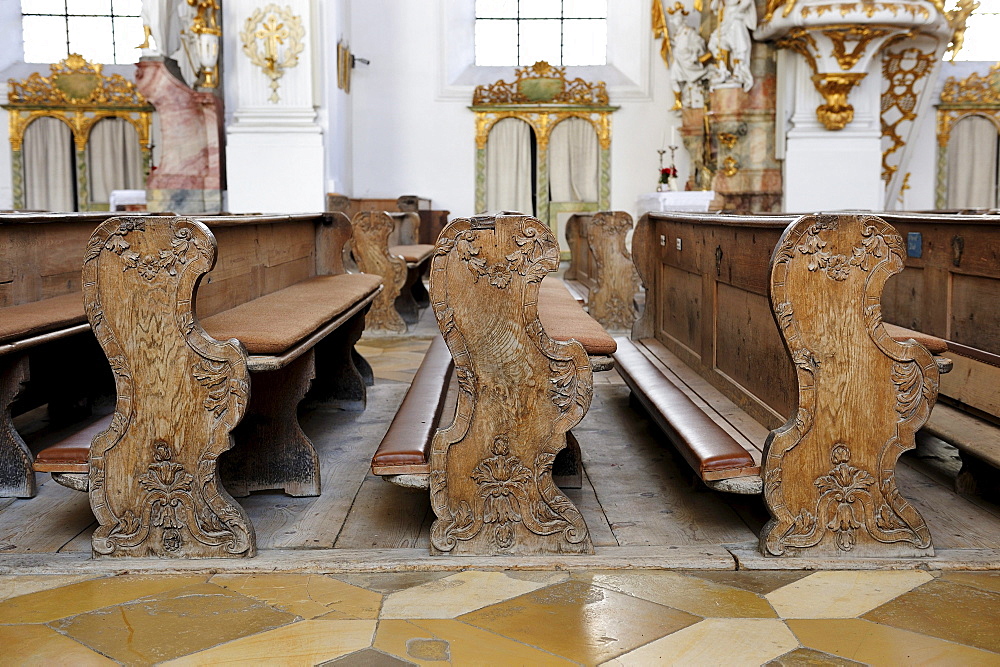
x=560 y=32
x=102 y=31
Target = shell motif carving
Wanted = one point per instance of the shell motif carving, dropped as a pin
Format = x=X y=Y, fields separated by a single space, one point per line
x=829 y=476
x=171 y=377
x=611 y=299
x=520 y=391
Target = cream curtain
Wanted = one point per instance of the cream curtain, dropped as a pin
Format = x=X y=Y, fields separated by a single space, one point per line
x=114 y=159
x=49 y=176
x=972 y=164
x=573 y=161
x=508 y=167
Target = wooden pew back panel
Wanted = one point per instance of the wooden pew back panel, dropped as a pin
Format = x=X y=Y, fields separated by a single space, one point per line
x=829 y=472
x=519 y=393
x=139 y=279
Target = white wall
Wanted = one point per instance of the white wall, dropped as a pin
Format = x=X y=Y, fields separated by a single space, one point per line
x=336 y=111
x=414 y=134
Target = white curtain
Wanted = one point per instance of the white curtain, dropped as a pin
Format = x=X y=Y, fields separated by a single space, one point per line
x=114 y=160
x=49 y=176
x=972 y=164
x=508 y=167
x=573 y=161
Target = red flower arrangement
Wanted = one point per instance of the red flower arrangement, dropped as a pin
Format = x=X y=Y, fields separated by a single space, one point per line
x=666 y=173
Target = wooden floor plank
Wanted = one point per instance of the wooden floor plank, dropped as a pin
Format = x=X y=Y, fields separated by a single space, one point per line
x=45 y=523
x=384 y=516
x=645 y=491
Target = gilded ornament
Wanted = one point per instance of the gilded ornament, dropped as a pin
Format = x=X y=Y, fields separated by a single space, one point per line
x=901 y=71
x=272 y=39
x=861 y=36
x=541 y=83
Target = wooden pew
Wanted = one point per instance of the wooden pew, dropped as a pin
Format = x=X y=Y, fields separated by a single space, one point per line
x=601 y=267
x=951 y=289
x=385 y=245
x=276 y=310
x=762 y=353
x=432 y=220
x=519 y=377
x=48 y=355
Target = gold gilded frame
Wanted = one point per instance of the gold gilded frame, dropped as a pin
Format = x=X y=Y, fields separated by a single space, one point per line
x=542 y=96
x=78 y=94
x=975 y=95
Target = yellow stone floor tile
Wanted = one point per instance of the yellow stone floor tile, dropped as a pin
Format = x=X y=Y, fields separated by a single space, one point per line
x=306 y=595
x=842 y=594
x=579 y=621
x=986 y=581
x=807 y=657
x=25 y=645
x=172 y=624
x=717 y=641
x=690 y=594
x=84 y=596
x=459 y=594
x=14 y=585
x=920 y=611
x=445 y=641
x=876 y=644
x=304 y=644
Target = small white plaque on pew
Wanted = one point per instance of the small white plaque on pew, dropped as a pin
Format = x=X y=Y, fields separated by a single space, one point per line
x=695 y=200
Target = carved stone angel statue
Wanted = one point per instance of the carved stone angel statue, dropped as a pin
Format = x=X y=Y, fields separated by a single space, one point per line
x=687 y=67
x=155 y=22
x=731 y=42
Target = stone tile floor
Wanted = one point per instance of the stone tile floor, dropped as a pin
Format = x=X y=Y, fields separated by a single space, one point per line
x=504 y=618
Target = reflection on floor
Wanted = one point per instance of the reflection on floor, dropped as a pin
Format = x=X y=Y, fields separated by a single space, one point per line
x=504 y=618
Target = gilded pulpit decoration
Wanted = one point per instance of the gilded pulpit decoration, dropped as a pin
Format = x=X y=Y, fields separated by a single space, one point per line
x=272 y=39
x=78 y=93
x=904 y=73
x=830 y=487
x=975 y=95
x=543 y=96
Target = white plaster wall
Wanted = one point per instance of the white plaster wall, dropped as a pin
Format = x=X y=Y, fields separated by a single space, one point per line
x=412 y=129
x=335 y=113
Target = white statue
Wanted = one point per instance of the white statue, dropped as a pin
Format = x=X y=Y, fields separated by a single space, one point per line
x=155 y=22
x=687 y=67
x=731 y=42
x=187 y=53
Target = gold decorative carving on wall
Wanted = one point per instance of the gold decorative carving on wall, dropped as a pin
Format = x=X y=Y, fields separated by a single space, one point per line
x=272 y=40
x=901 y=71
x=957 y=19
x=861 y=36
x=974 y=89
x=541 y=83
x=868 y=8
x=775 y=5
x=835 y=87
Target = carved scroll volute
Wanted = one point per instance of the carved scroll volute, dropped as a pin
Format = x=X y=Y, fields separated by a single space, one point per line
x=153 y=483
x=829 y=476
x=371 y=251
x=643 y=258
x=610 y=302
x=519 y=393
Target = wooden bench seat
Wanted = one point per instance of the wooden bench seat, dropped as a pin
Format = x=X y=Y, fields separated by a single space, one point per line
x=48 y=356
x=200 y=401
x=770 y=327
x=385 y=244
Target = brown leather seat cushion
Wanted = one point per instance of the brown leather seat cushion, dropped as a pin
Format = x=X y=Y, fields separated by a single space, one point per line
x=37 y=317
x=563 y=319
x=273 y=323
x=408 y=440
x=933 y=344
x=72 y=453
x=413 y=254
x=702 y=442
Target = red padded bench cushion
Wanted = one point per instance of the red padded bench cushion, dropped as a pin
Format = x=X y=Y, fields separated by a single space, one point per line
x=707 y=448
x=275 y=322
x=38 y=317
x=405 y=449
x=933 y=344
x=72 y=454
x=563 y=319
x=413 y=254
